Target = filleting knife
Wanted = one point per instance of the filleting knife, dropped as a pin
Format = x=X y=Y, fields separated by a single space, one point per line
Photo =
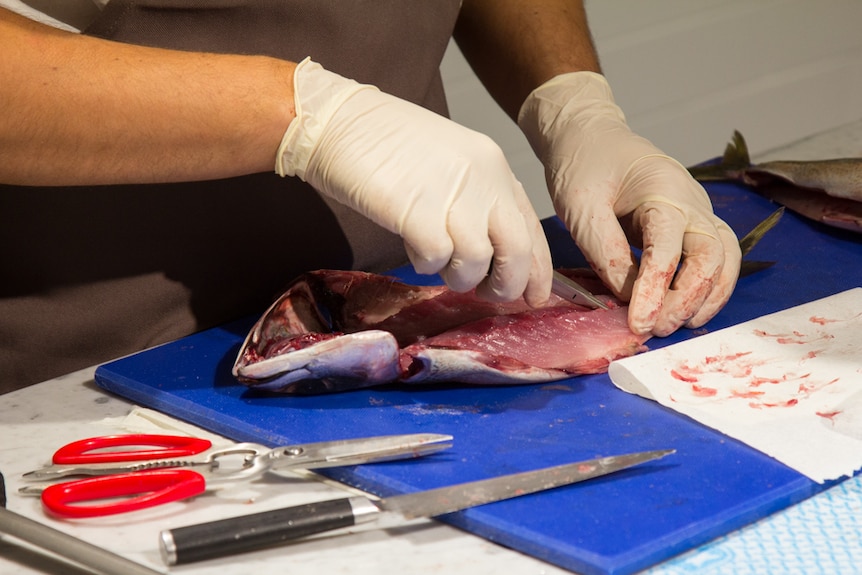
x=246 y=533
x=569 y=289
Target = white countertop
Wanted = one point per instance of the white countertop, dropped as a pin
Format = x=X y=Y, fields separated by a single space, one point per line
x=819 y=535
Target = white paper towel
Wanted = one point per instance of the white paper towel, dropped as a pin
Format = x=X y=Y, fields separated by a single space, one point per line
x=788 y=384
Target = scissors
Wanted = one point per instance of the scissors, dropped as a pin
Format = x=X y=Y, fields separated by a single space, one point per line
x=144 y=470
x=569 y=289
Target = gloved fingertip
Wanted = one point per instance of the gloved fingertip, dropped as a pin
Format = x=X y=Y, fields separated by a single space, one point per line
x=664 y=331
x=536 y=300
x=621 y=280
x=489 y=292
x=703 y=315
x=427 y=265
x=640 y=327
x=643 y=321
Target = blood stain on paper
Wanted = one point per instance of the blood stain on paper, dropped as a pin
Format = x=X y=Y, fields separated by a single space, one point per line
x=795 y=337
x=830 y=415
x=751 y=393
x=727 y=364
x=762 y=391
x=701 y=391
x=758 y=381
x=687 y=376
x=725 y=358
x=761 y=405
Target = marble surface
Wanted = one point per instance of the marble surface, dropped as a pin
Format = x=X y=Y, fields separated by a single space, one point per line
x=819 y=535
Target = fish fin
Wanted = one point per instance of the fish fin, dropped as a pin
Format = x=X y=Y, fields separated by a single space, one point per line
x=736 y=153
x=749 y=267
x=735 y=159
x=747 y=243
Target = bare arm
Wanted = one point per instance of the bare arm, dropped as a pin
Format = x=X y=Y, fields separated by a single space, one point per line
x=514 y=46
x=80 y=110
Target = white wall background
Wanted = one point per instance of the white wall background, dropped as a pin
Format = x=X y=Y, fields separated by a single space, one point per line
x=689 y=72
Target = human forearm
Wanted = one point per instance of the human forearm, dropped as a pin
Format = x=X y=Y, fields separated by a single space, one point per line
x=80 y=110
x=514 y=46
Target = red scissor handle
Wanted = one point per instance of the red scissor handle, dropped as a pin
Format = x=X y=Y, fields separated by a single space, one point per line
x=81 y=452
x=147 y=489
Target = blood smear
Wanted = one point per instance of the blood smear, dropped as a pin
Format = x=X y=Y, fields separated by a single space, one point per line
x=703 y=391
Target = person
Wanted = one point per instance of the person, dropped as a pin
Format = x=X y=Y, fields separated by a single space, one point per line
x=172 y=167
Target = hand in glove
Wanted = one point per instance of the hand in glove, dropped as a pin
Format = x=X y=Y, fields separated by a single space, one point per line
x=614 y=189
x=446 y=190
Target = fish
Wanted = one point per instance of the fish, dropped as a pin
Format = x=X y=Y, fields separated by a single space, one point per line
x=337 y=330
x=826 y=191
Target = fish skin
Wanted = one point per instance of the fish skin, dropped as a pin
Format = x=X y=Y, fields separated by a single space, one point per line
x=343 y=330
x=567 y=342
x=827 y=191
x=839 y=178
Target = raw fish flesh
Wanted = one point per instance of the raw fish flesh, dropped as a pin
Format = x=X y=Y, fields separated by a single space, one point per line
x=827 y=191
x=340 y=330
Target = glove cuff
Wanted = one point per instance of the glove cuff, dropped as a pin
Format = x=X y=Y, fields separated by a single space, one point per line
x=318 y=94
x=584 y=94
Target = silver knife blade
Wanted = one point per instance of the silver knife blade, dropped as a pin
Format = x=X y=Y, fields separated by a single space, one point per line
x=339 y=516
x=569 y=289
x=444 y=500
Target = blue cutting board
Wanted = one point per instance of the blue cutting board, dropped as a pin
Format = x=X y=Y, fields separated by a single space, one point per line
x=617 y=524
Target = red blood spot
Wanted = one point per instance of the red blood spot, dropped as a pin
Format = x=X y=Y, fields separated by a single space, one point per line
x=758 y=381
x=681 y=377
x=703 y=391
x=798 y=338
x=724 y=358
x=747 y=394
x=788 y=403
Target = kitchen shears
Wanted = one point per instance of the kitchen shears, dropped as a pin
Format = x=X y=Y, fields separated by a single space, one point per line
x=137 y=471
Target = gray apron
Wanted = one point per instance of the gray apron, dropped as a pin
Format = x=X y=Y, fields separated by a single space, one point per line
x=93 y=273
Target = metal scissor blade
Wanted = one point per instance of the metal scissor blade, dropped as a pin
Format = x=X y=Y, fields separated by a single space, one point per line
x=569 y=289
x=61 y=471
x=357 y=451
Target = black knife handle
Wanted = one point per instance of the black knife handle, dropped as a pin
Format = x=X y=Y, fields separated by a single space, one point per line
x=249 y=532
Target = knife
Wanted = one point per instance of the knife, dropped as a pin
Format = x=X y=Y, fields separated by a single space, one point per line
x=246 y=533
x=78 y=551
x=569 y=289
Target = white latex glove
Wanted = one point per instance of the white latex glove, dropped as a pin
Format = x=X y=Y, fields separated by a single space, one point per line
x=446 y=190
x=614 y=189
